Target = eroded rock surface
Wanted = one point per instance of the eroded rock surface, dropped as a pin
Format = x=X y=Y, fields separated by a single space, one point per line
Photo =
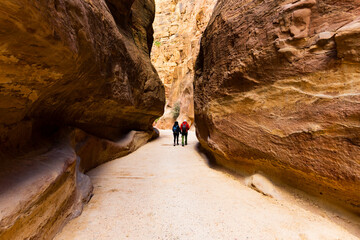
x=65 y=65
x=178 y=27
x=76 y=63
x=97 y=150
x=277 y=90
x=38 y=194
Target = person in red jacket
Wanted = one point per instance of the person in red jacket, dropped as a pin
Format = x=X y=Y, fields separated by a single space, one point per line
x=184 y=128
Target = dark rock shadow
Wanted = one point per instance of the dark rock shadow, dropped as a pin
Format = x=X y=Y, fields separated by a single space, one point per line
x=210 y=159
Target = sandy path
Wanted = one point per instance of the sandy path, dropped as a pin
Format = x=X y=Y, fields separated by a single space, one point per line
x=167 y=192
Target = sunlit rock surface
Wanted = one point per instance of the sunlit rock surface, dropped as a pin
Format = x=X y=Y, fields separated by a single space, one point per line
x=277 y=90
x=178 y=27
x=64 y=65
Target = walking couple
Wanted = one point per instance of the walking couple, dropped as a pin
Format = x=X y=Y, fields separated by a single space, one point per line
x=183 y=129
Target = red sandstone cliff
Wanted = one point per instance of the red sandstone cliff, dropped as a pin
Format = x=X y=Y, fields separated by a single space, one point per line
x=277 y=90
x=65 y=65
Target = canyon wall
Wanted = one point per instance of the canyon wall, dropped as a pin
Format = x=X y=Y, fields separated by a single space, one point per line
x=75 y=78
x=277 y=90
x=178 y=27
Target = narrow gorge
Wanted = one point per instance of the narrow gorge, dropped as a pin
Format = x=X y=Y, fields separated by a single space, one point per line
x=178 y=27
x=271 y=90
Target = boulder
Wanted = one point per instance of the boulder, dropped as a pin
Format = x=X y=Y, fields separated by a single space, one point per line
x=261 y=184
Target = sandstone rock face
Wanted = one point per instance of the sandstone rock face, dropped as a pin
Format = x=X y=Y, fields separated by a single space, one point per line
x=277 y=90
x=65 y=65
x=178 y=27
x=38 y=194
x=77 y=63
x=97 y=151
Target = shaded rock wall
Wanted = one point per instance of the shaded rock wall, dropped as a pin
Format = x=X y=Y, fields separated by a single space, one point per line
x=97 y=150
x=277 y=90
x=39 y=193
x=178 y=27
x=74 y=63
x=67 y=65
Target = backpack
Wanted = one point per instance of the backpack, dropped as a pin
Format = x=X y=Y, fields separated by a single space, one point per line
x=184 y=128
x=175 y=129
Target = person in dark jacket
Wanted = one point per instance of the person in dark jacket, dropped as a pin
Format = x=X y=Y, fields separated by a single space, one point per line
x=184 y=128
x=176 y=132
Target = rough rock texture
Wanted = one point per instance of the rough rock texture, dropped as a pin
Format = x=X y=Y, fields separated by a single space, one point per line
x=76 y=63
x=64 y=65
x=39 y=193
x=97 y=151
x=277 y=90
x=178 y=27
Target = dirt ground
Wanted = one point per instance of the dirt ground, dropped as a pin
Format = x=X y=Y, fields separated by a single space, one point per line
x=166 y=192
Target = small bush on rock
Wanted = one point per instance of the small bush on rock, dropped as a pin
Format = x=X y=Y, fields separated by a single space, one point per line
x=176 y=110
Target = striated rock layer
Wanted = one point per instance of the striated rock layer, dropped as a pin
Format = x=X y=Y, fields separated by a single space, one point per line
x=65 y=65
x=277 y=90
x=178 y=27
x=38 y=194
x=97 y=151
